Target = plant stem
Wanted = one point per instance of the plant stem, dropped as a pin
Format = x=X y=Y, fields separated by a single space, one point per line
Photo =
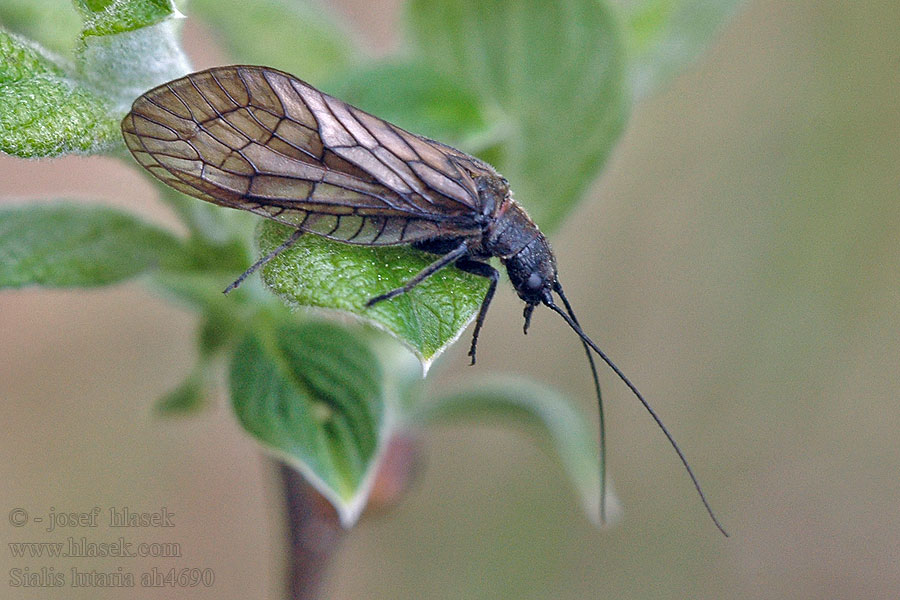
x=314 y=532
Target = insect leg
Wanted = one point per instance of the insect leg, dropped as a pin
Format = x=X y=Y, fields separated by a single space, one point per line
x=287 y=244
x=483 y=270
x=455 y=254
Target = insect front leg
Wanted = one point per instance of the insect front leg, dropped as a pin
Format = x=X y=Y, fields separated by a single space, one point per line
x=287 y=244
x=483 y=270
x=452 y=256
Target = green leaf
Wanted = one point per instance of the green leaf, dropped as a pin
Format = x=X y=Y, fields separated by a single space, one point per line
x=663 y=36
x=23 y=59
x=45 y=113
x=52 y=23
x=311 y=393
x=216 y=332
x=216 y=225
x=415 y=97
x=128 y=47
x=108 y=17
x=202 y=292
x=71 y=245
x=543 y=411
x=322 y=273
x=221 y=326
x=187 y=399
x=298 y=36
x=555 y=73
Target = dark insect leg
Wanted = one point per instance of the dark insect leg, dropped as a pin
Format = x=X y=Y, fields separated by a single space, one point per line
x=422 y=275
x=484 y=270
x=287 y=244
x=529 y=309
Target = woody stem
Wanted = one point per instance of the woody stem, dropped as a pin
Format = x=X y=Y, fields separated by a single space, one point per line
x=314 y=533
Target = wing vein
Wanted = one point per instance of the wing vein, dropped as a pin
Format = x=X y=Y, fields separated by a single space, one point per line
x=400 y=174
x=260 y=140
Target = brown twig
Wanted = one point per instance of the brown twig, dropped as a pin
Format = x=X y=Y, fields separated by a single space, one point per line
x=314 y=532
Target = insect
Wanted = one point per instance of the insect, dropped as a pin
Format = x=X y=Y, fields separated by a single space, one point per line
x=260 y=140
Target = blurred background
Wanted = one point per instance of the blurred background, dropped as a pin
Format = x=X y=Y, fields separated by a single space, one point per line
x=738 y=258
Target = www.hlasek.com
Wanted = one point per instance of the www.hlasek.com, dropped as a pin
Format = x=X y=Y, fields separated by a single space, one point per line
x=93 y=546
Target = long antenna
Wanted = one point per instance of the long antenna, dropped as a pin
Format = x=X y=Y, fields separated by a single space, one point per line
x=548 y=301
x=557 y=287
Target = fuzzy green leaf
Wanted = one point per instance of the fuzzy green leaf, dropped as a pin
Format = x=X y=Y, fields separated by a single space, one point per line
x=23 y=59
x=555 y=72
x=128 y=47
x=52 y=23
x=663 y=36
x=312 y=394
x=71 y=245
x=45 y=113
x=298 y=36
x=543 y=411
x=416 y=98
x=108 y=17
x=320 y=273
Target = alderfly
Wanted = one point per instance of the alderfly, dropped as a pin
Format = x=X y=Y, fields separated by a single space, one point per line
x=260 y=140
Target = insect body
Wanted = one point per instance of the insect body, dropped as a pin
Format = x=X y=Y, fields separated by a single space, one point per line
x=257 y=139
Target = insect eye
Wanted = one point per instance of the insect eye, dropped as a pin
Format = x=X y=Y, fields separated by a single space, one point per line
x=534 y=282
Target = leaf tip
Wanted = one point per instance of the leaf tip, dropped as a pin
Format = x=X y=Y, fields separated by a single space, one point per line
x=349 y=508
x=612 y=512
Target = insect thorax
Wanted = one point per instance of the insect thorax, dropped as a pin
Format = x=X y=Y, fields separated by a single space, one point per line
x=524 y=251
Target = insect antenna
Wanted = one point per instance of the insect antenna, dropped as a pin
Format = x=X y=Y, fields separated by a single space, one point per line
x=557 y=287
x=569 y=318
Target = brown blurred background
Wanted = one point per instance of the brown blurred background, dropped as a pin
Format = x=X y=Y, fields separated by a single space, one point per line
x=739 y=258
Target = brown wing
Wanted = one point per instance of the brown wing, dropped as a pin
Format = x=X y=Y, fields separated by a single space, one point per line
x=260 y=140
